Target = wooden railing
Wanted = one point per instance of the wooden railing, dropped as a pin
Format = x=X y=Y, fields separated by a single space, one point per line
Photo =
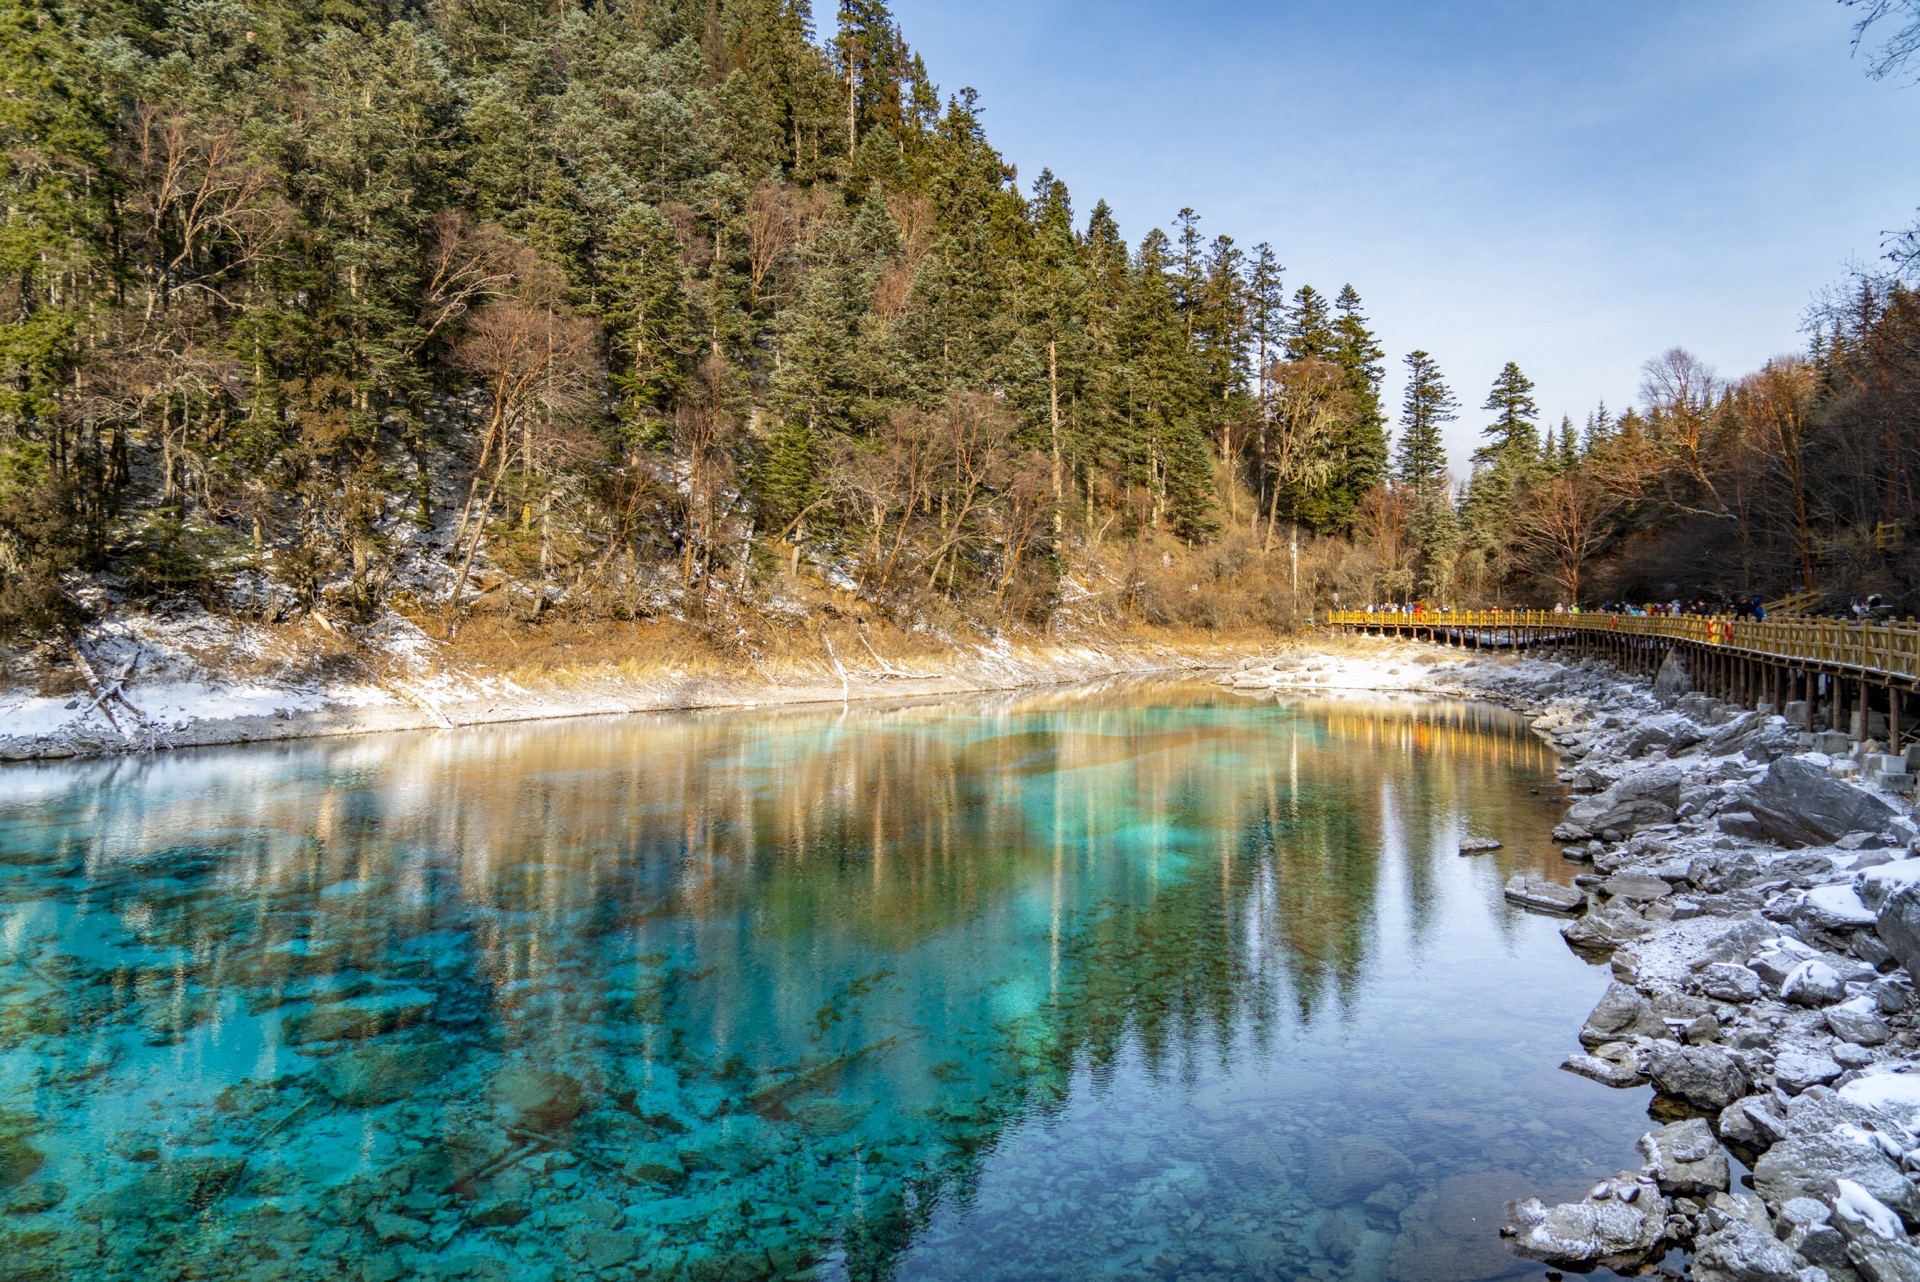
x=1883 y=649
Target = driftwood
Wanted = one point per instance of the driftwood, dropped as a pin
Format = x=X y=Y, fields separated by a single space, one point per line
x=888 y=670
x=846 y=691
x=109 y=692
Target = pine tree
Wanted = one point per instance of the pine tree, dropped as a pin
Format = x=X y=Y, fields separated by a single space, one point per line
x=1514 y=434
x=874 y=63
x=1567 y=457
x=1309 y=326
x=1266 y=315
x=1420 y=459
x=1360 y=443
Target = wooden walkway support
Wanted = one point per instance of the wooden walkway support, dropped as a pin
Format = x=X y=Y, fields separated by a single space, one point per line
x=1859 y=679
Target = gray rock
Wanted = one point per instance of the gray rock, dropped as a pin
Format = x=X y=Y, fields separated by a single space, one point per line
x=1727 y=982
x=1778 y=959
x=1616 y=1064
x=1671 y=683
x=1621 y=1013
x=1478 y=845
x=1799 y=804
x=1538 y=892
x=1878 y=1260
x=1743 y=824
x=1848 y=1055
x=1605 y=929
x=1809 y=1233
x=1741 y=1253
x=1808 y=1164
x=1858 y=1022
x=1703 y=1075
x=1813 y=983
x=1798 y=1068
x=1753 y=1122
x=1634 y=887
x=1620 y=1226
x=1641 y=800
x=1899 y=925
x=1685 y=1159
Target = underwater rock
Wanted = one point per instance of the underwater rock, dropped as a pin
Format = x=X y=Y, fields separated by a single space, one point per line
x=35 y=1196
x=653 y=1163
x=1478 y=845
x=1344 y=1170
x=18 y=1160
x=357 y=1018
x=538 y=1099
x=1339 y=1235
x=391 y=1228
x=367 y=1076
x=175 y=1190
x=1449 y=1233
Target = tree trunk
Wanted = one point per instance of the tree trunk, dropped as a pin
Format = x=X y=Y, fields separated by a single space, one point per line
x=1053 y=399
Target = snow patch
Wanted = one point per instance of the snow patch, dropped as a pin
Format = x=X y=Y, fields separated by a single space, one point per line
x=1854 y=1203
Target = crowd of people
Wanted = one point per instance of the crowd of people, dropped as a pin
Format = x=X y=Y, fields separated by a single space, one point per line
x=1875 y=609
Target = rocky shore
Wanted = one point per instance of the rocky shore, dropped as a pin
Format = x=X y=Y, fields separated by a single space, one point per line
x=1756 y=893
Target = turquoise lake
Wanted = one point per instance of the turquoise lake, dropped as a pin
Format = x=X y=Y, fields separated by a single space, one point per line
x=1144 y=981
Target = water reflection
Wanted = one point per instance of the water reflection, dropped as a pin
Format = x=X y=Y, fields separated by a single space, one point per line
x=743 y=995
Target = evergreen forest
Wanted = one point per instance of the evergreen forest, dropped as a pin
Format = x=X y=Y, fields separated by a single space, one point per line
x=697 y=310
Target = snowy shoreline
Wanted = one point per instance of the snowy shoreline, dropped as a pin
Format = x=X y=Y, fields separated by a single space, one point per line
x=1758 y=901
x=165 y=694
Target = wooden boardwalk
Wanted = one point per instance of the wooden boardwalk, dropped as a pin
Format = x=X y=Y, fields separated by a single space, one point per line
x=1850 y=675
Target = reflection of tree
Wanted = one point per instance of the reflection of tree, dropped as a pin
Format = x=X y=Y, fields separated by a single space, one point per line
x=942 y=911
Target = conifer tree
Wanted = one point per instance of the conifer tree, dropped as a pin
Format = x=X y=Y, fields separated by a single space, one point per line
x=1514 y=434
x=1309 y=326
x=1360 y=443
x=1567 y=456
x=1420 y=458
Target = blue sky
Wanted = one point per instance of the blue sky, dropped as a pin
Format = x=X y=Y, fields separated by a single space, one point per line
x=1575 y=186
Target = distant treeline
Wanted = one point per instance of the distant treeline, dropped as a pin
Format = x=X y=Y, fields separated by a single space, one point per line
x=677 y=308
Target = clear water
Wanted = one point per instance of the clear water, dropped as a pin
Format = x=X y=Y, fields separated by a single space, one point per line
x=1137 y=982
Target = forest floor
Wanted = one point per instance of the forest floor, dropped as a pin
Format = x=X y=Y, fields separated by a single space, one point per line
x=190 y=678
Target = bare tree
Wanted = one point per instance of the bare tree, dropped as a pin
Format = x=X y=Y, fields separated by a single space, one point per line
x=537 y=359
x=1776 y=403
x=1562 y=527
x=1900 y=47
x=202 y=209
x=1384 y=525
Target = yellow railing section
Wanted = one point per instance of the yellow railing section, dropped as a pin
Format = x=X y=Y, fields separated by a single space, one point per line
x=1889 y=649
